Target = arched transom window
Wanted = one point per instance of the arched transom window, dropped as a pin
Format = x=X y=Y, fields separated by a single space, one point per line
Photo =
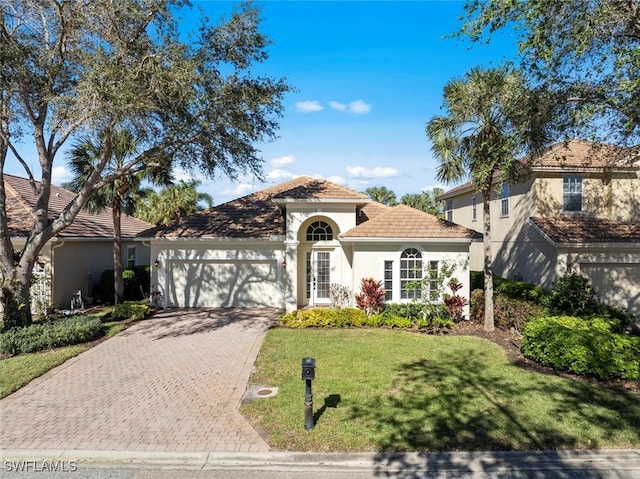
x=319 y=231
x=410 y=274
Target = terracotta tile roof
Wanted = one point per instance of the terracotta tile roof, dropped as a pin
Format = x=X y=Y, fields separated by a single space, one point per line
x=370 y=211
x=585 y=229
x=258 y=216
x=305 y=187
x=586 y=154
x=402 y=221
x=575 y=154
x=21 y=202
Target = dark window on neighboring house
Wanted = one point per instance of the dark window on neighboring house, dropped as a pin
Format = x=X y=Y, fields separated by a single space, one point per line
x=572 y=194
x=410 y=274
x=131 y=256
x=319 y=231
x=504 y=200
x=449 y=210
x=388 y=280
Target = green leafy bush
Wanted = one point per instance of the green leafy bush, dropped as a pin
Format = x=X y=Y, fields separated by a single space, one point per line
x=510 y=288
x=130 y=310
x=324 y=318
x=572 y=294
x=508 y=313
x=406 y=310
x=50 y=334
x=587 y=347
x=353 y=317
x=136 y=284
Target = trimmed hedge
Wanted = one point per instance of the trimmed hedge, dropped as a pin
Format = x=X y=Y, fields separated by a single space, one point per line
x=587 y=347
x=131 y=310
x=136 y=284
x=51 y=334
x=353 y=317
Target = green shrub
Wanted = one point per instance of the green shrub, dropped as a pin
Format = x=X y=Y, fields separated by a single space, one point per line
x=50 y=334
x=406 y=310
x=136 y=284
x=324 y=318
x=510 y=288
x=353 y=317
x=572 y=294
x=130 y=310
x=587 y=347
x=508 y=313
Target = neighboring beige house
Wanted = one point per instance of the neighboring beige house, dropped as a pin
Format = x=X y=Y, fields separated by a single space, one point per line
x=579 y=211
x=286 y=245
x=74 y=259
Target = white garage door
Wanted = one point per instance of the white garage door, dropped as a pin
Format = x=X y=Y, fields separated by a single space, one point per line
x=617 y=284
x=223 y=284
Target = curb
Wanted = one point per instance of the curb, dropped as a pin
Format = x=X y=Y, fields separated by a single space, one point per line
x=468 y=462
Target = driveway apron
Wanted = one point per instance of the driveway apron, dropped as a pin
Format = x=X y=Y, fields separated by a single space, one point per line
x=170 y=383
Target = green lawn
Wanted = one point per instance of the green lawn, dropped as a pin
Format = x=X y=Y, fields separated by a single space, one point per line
x=384 y=390
x=18 y=371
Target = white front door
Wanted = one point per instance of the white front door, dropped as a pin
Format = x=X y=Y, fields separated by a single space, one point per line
x=318 y=277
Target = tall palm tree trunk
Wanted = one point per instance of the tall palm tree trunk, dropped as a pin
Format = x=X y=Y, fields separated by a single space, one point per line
x=118 y=282
x=488 y=262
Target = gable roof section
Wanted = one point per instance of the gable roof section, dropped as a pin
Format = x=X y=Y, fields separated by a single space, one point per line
x=256 y=215
x=21 y=202
x=582 y=154
x=405 y=222
x=587 y=230
x=259 y=215
x=572 y=155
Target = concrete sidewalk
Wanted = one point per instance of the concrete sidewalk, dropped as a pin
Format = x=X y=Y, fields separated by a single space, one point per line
x=548 y=464
x=173 y=382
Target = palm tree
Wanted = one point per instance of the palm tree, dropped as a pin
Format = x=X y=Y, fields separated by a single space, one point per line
x=173 y=202
x=381 y=194
x=120 y=195
x=426 y=201
x=492 y=118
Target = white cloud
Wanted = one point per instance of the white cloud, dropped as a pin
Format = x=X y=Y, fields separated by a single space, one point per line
x=336 y=179
x=60 y=175
x=180 y=174
x=377 y=172
x=283 y=160
x=359 y=107
x=239 y=189
x=308 y=106
x=280 y=174
x=337 y=105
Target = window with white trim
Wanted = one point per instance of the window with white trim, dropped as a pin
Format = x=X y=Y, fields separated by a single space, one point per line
x=449 y=210
x=410 y=274
x=388 y=280
x=319 y=231
x=474 y=208
x=434 y=293
x=504 y=200
x=572 y=193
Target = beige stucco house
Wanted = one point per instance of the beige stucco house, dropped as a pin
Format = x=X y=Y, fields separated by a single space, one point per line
x=74 y=259
x=285 y=246
x=579 y=211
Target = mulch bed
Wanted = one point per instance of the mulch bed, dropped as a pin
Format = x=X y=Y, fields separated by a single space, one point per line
x=511 y=344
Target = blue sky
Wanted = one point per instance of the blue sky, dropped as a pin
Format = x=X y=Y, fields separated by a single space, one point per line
x=368 y=76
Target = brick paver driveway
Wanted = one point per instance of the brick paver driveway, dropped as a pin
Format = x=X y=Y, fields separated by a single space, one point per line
x=173 y=382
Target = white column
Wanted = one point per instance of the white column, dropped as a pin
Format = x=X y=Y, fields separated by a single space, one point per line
x=290 y=276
